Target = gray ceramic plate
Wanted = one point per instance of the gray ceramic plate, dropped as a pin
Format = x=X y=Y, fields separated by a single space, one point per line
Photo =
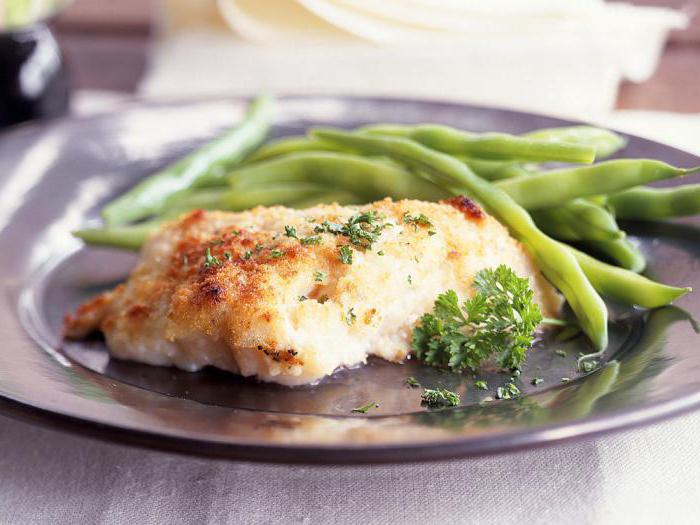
x=54 y=178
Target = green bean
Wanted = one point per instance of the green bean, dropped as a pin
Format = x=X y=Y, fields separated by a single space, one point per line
x=620 y=251
x=600 y=200
x=555 y=261
x=370 y=179
x=627 y=286
x=234 y=200
x=498 y=146
x=495 y=169
x=129 y=237
x=287 y=145
x=552 y=188
x=209 y=162
x=656 y=203
x=270 y=195
x=578 y=220
x=605 y=142
x=294 y=195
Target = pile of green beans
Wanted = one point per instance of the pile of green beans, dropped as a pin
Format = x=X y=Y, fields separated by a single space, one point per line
x=558 y=214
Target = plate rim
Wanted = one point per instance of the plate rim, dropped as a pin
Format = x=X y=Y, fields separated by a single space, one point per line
x=491 y=445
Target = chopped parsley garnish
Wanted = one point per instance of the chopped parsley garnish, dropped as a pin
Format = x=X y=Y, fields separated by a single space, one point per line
x=365 y=408
x=319 y=276
x=362 y=230
x=302 y=298
x=291 y=232
x=247 y=255
x=536 y=381
x=416 y=220
x=412 y=382
x=499 y=320
x=323 y=299
x=345 y=254
x=432 y=232
x=409 y=279
x=439 y=397
x=276 y=254
x=350 y=317
x=481 y=385
x=510 y=391
x=329 y=227
x=380 y=253
x=228 y=256
x=560 y=353
x=210 y=260
x=308 y=241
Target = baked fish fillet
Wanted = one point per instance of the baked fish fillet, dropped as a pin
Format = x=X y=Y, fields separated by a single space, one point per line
x=269 y=292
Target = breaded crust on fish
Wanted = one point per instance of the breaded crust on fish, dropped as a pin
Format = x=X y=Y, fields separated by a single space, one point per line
x=240 y=292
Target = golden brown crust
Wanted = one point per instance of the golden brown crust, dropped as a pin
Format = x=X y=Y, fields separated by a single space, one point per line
x=87 y=317
x=468 y=207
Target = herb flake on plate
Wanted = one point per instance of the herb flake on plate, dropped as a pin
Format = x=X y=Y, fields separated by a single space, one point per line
x=439 y=398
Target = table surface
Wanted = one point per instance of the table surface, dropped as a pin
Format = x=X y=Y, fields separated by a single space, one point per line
x=642 y=476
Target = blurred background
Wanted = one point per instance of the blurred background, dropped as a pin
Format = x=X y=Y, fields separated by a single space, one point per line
x=609 y=62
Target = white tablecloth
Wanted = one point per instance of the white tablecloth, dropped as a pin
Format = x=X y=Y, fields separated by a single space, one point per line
x=641 y=476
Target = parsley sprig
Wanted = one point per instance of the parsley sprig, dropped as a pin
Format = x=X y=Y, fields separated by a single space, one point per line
x=499 y=320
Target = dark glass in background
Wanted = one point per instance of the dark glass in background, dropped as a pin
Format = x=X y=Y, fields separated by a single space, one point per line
x=33 y=79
